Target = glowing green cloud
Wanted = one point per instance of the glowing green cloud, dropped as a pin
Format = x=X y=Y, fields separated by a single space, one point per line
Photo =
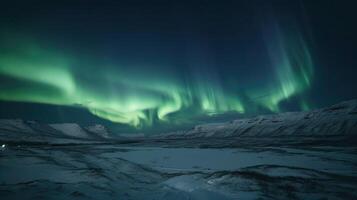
x=41 y=75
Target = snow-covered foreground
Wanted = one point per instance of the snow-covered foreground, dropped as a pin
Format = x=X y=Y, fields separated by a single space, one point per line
x=113 y=171
x=302 y=155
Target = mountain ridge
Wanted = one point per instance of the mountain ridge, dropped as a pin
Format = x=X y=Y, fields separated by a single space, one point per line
x=338 y=119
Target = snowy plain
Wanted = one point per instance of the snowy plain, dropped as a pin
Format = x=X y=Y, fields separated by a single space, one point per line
x=67 y=161
x=97 y=171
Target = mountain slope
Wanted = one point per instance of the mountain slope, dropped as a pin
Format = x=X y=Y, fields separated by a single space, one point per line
x=71 y=130
x=22 y=130
x=339 y=119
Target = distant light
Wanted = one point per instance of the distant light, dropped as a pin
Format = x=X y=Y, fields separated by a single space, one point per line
x=3 y=145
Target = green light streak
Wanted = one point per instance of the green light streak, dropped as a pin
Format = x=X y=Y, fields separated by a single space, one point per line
x=293 y=67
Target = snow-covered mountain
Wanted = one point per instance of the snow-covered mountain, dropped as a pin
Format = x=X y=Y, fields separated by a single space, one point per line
x=22 y=130
x=98 y=130
x=339 y=119
x=71 y=130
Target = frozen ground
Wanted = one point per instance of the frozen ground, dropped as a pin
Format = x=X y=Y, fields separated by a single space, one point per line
x=302 y=155
x=118 y=171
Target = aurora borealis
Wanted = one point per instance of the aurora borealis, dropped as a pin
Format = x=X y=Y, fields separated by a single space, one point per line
x=148 y=70
x=41 y=76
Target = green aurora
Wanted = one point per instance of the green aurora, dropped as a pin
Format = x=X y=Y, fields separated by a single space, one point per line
x=40 y=74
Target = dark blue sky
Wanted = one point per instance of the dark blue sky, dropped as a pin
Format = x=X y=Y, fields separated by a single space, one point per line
x=170 y=64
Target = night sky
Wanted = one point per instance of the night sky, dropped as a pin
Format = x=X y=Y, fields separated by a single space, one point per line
x=155 y=66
